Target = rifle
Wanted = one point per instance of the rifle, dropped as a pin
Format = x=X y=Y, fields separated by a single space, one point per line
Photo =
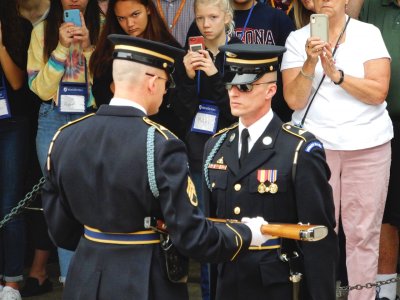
x=302 y=232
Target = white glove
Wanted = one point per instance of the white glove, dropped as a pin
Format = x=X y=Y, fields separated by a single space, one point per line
x=257 y=238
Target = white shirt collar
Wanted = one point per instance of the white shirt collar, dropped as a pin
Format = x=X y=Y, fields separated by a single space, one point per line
x=125 y=102
x=256 y=129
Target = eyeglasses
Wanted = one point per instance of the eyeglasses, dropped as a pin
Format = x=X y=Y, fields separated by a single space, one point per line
x=245 y=87
x=167 y=81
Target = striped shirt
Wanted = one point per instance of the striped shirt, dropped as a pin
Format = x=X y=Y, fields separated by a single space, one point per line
x=186 y=17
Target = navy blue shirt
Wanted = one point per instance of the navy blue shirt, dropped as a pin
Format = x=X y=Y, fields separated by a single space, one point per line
x=267 y=25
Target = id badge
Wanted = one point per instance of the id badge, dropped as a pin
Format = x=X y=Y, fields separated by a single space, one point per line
x=72 y=97
x=206 y=119
x=4 y=105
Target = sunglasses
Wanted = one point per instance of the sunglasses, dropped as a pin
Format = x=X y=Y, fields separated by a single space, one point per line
x=246 y=87
x=168 y=82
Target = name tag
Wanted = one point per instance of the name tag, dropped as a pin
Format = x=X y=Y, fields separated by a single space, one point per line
x=4 y=105
x=206 y=119
x=72 y=97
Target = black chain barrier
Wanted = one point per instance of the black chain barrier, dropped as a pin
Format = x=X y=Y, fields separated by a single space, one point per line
x=23 y=203
x=344 y=290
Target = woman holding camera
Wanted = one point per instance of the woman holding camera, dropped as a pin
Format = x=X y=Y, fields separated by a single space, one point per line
x=338 y=89
x=58 y=58
x=208 y=109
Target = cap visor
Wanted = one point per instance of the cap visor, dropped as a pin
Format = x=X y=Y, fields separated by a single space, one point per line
x=234 y=78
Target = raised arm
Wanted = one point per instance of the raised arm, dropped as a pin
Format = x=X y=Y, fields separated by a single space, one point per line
x=297 y=82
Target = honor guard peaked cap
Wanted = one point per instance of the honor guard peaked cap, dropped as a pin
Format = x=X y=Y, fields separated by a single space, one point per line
x=146 y=52
x=246 y=63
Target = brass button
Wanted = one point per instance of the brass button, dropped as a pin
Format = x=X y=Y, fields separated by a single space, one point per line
x=237 y=210
x=237 y=187
x=213 y=184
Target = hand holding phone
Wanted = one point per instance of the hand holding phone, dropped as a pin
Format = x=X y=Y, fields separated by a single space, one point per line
x=73 y=16
x=196 y=43
x=319 y=26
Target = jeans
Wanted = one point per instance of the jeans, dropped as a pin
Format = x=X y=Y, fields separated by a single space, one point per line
x=14 y=156
x=50 y=120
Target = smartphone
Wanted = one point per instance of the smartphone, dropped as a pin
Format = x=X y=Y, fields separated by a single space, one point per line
x=72 y=16
x=196 y=43
x=319 y=26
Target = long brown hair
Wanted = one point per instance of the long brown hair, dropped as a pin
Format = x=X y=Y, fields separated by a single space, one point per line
x=55 y=19
x=156 y=30
x=12 y=30
x=301 y=14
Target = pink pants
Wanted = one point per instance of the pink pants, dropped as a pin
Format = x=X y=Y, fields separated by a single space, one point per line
x=359 y=181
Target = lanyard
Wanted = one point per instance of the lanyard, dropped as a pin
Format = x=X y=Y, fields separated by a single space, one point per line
x=323 y=77
x=223 y=67
x=4 y=104
x=177 y=14
x=288 y=9
x=247 y=21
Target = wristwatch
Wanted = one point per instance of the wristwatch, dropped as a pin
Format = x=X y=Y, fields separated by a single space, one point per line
x=341 y=78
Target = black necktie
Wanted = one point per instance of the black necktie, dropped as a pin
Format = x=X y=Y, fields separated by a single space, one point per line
x=245 y=146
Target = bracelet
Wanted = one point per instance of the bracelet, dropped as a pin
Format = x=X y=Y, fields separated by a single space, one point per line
x=310 y=77
x=341 y=78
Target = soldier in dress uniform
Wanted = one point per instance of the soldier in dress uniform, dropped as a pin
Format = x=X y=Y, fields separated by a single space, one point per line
x=262 y=167
x=109 y=172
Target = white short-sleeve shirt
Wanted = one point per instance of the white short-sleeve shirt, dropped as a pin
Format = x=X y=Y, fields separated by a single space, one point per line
x=338 y=119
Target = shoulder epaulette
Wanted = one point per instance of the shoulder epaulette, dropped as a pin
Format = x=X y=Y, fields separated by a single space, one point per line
x=59 y=131
x=161 y=129
x=298 y=131
x=233 y=126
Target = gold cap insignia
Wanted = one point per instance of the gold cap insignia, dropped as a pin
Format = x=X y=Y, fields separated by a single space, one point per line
x=230 y=54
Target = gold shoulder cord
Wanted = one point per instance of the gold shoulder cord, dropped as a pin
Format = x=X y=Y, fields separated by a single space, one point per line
x=226 y=129
x=58 y=132
x=161 y=129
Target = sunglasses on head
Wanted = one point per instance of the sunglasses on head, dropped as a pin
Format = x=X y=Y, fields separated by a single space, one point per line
x=168 y=82
x=245 y=87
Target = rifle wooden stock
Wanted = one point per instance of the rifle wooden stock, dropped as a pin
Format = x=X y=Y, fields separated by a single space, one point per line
x=303 y=232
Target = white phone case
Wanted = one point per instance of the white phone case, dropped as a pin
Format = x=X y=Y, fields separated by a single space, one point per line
x=319 y=26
